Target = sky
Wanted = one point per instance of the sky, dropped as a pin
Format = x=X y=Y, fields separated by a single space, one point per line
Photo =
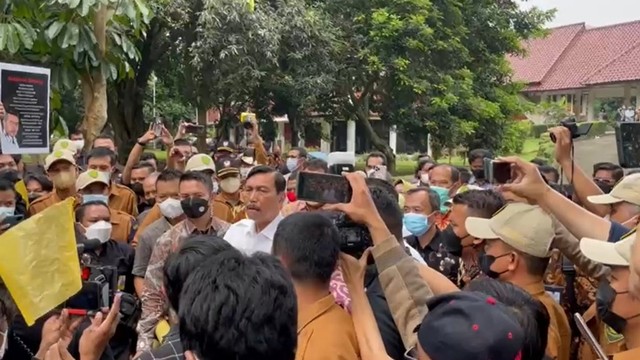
x=593 y=12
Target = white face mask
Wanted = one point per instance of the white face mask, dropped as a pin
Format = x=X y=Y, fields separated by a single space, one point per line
x=230 y=185
x=7 y=211
x=171 y=208
x=100 y=230
x=79 y=144
x=424 y=178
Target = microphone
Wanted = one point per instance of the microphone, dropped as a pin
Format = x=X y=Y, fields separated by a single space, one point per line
x=83 y=243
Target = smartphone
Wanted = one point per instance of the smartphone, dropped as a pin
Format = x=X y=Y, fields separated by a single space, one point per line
x=588 y=336
x=323 y=188
x=190 y=128
x=501 y=172
x=379 y=172
x=11 y=221
x=157 y=127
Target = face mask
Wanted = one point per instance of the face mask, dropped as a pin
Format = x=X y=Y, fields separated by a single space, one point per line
x=7 y=211
x=137 y=189
x=64 y=180
x=95 y=197
x=292 y=164
x=417 y=224
x=171 y=208
x=478 y=174
x=424 y=178
x=443 y=194
x=194 y=208
x=100 y=230
x=216 y=186
x=244 y=171
x=605 y=297
x=79 y=144
x=230 y=185
x=33 y=196
x=485 y=261
x=452 y=242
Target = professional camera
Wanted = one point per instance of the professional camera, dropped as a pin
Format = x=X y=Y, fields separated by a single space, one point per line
x=575 y=130
x=354 y=238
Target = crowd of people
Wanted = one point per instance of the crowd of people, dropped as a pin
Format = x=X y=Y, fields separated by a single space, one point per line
x=226 y=262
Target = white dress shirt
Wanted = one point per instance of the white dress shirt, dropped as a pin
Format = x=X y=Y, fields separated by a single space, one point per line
x=243 y=236
x=9 y=144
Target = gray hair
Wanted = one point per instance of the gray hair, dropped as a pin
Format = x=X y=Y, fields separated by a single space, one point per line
x=434 y=198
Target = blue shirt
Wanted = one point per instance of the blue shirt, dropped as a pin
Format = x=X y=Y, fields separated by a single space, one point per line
x=617 y=232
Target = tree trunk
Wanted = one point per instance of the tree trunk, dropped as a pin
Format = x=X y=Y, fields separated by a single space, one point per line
x=126 y=114
x=201 y=143
x=292 y=114
x=378 y=143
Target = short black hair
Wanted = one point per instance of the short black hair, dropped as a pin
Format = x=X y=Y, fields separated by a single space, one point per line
x=146 y=156
x=476 y=154
x=6 y=185
x=465 y=174
x=617 y=170
x=536 y=266
x=194 y=252
x=388 y=208
x=547 y=169
x=241 y=308
x=480 y=203
x=301 y=151
x=434 y=198
x=309 y=244
x=199 y=177
x=422 y=162
x=455 y=174
x=181 y=142
x=280 y=182
x=539 y=162
x=101 y=152
x=44 y=181
x=144 y=165
x=168 y=174
x=316 y=165
x=10 y=175
x=105 y=137
x=82 y=209
x=530 y=313
x=376 y=154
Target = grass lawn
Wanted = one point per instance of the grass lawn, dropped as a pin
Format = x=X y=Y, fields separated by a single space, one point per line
x=406 y=165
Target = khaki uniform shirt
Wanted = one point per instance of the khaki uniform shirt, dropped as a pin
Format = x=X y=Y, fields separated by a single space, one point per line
x=45 y=201
x=628 y=355
x=153 y=215
x=559 y=338
x=325 y=328
x=611 y=342
x=124 y=199
x=124 y=226
x=224 y=208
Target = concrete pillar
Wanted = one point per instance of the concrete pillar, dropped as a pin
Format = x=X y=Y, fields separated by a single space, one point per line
x=351 y=136
x=590 y=110
x=393 y=139
x=627 y=94
x=280 y=140
x=300 y=140
x=325 y=145
x=232 y=134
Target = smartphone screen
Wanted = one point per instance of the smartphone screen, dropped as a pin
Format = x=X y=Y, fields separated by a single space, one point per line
x=193 y=129
x=323 y=188
x=501 y=172
x=90 y=297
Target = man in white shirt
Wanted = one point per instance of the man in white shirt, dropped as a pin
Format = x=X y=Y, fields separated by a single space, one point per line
x=265 y=193
x=10 y=128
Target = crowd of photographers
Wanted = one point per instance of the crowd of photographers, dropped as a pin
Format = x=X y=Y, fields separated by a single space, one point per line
x=214 y=256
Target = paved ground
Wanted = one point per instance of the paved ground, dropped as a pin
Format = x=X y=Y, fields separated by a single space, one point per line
x=589 y=152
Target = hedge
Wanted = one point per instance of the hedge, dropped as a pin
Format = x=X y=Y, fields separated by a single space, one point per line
x=598 y=128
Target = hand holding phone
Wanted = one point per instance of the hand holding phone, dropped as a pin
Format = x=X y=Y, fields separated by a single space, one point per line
x=589 y=337
x=323 y=188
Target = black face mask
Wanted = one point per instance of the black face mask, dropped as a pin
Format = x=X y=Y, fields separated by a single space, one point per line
x=605 y=297
x=485 y=261
x=34 y=196
x=137 y=188
x=478 y=174
x=452 y=242
x=144 y=206
x=194 y=208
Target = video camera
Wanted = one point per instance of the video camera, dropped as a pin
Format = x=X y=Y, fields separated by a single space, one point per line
x=354 y=238
x=575 y=130
x=100 y=284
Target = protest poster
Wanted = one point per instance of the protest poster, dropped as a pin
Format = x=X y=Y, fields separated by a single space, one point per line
x=24 y=94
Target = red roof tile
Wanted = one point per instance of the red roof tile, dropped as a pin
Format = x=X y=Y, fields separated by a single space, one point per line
x=542 y=53
x=592 y=56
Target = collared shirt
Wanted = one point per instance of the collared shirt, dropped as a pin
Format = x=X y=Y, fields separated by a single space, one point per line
x=242 y=235
x=559 y=337
x=153 y=299
x=225 y=208
x=124 y=199
x=124 y=226
x=435 y=254
x=628 y=355
x=485 y=185
x=10 y=144
x=326 y=327
x=171 y=348
x=43 y=202
x=146 y=242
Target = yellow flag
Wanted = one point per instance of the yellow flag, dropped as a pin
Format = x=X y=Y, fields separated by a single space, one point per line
x=21 y=189
x=252 y=5
x=39 y=261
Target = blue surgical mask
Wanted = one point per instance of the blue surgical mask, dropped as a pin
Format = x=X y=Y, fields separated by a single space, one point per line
x=95 y=197
x=292 y=164
x=416 y=224
x=7 y=211
x=443 y=194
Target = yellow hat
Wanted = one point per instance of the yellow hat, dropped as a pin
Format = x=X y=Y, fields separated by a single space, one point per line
x=200 y=162
x=525 y=227
x=58 y=155
x=91 y=176
x=65 y=144
x=606 y=253
x=628 y=189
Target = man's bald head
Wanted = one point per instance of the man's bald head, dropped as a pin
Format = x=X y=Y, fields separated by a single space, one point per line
x=444 y=175
x=149 y=185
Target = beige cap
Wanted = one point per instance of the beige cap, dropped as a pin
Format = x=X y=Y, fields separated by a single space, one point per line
x=606 y=253
x=65 y=144
x=628 y=189
x=525 y=227
x=58 y=155
x=200 y=162
x=91 y=176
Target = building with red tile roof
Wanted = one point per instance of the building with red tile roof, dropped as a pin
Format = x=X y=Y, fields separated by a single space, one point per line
x=580 y=64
